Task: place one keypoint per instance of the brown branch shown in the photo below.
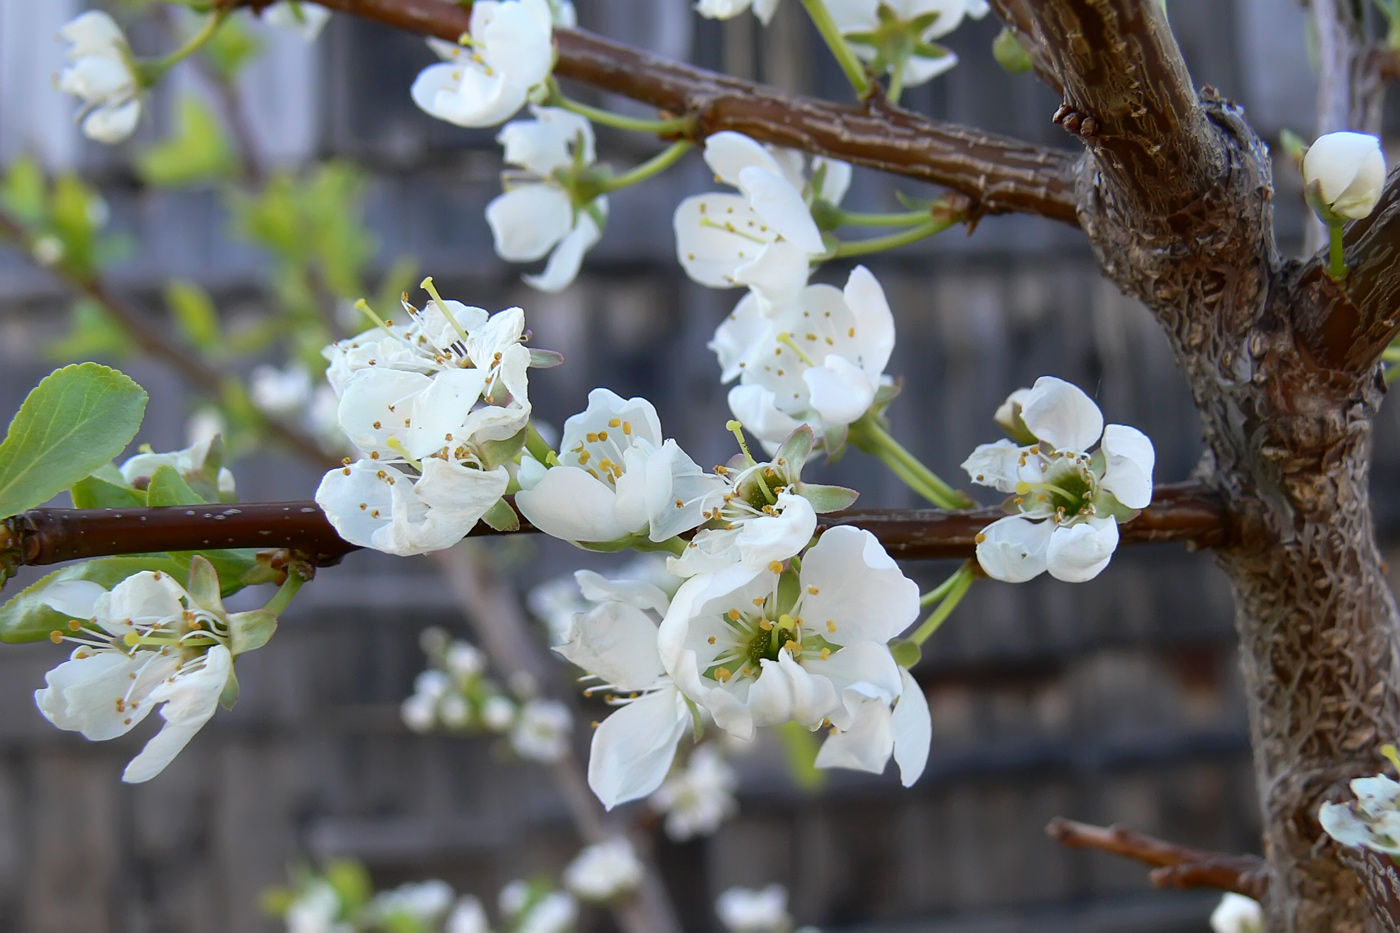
(1347, 325)
(1183, 512)
(1177, 866)
(1001, 174)
(1128, 96)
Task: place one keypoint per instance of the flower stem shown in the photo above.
(278, 603)
(941, 590)
(1336, 260)
(668, 127)
(890, 241)
(896, 219)
(870, 436)
(845, 56)
(653, 166)
(539, 447)
(896, 85)
(153, 71)
(961, 582)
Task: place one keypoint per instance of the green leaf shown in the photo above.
(198, 151)
(22, 191)
(351, 881)
(73, 422)
(194, 314)
(105, 489)
(25, 618)
(1010, 53)
(76, 213)
(92, 332)
(231, 47)
(168, 487)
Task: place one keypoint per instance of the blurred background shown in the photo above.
(1113, 701)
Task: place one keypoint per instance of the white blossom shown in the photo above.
(907, 30)
(316, 910)
(603, 871)
(725, 9)
(468, 916)
(616, 642)
(1372, 821)
(699, 797)
(1067, 501)
(304, 18)
(541, 731)
(426, 902)
(1344, 175)
(99, 73)
(545, 208)
(280, 392)
(436, 408)
(611, 458)
(759, 648)
(1237, 914)
(743, 910)
(508, 56)
(764, 237)
(556, 912)
(464, 660)
(143, 643)
(498, 713)
(816, 359)
(418, 712)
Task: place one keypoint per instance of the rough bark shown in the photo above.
(1288, 437)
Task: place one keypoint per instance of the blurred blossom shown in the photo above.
(743, 910)
(603, 871)
(697, 798)
(541, 731)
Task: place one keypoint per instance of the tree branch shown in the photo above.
(1347, 325)
(1129, 97)
(1182, 512)
(1001, 174)
(1177, 866)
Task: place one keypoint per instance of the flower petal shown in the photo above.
(617, 642)
(567, 258)
(865, 745)
(190, 700)
(709, 243)
(728, 153)
(913, 730)
(1078, 552)
(874, 320)
(1062, 415)
(781, 206)
(528, 220)
(1012, 549)
(840, 390)
(633, 748)
(1129, 459)
(859, 588)
(569, 504)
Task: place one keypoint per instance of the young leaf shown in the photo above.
(194, 314)
(105, 489)
(197, 152)
(73, 422)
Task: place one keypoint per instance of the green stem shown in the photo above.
(537, 446)
(653, 166)
(667, 127)
(896, 219)
(890, 241)
(870, 436)
(153, 71)
(896, 85)
(941, 590)
(278, 603)
(845, 56)
(962, 581)
(1336, 260)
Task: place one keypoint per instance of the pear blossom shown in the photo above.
(603, 871)
(898, 35)
(765, 512)
(817, 359)
(203, 424)
(1067, 502)
(878, 732)
(425, 903)
(551, 206)
(304, 18)
(1372, 821)
(144, 643)
(744, 910)
(506, 58)
(280, 392)
(765, 236)
(759, 648)
(698, 797)
(615, 641)
(531, 910)
(1237, 914)
(468, 916)
(1344, 175)
(612, 455)
(437, 408)
(100, 74)
(541, 731)
(726, 9)
(497, 713)
(316, 909)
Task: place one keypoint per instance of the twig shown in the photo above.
(1182, 512)
(1177, 866)
(1001, 174)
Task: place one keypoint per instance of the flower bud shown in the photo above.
(1344, 175)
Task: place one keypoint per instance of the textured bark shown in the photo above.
(1288, 437)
